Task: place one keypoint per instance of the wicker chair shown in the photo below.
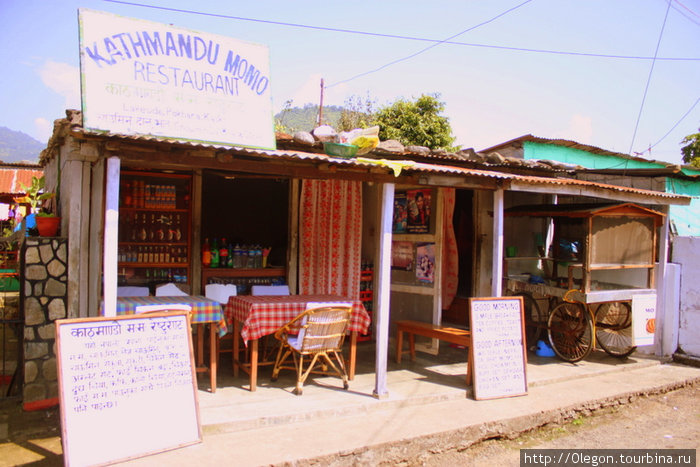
(315, 335)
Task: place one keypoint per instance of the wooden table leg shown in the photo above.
(200, 345)
(353, 355)
(212, 356)
(253, 364)
(399, 345)
(236, 346)
(412, 346)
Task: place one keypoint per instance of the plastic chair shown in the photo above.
(269, 290)
(320, 333)
(169, 290)
(132, 291)
(221, 293)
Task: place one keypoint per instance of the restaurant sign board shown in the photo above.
(144, 78)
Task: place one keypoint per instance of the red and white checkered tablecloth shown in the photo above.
(261, 315)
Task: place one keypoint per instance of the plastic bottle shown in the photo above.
(223, 254)
(206, 254)
(214, 254)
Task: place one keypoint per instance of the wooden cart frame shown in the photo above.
(590, 244)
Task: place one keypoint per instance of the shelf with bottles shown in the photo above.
(157, 191)
(152, 276)
(220, 254)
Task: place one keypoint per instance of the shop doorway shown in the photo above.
(463, 223)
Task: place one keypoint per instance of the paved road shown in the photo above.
(670, 420)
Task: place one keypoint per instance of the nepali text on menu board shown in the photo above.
(133, 377)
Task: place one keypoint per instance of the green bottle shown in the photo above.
(214, 253)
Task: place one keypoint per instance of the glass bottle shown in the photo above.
(223, 254)
(214, 254)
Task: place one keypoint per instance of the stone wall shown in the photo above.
(44, 290)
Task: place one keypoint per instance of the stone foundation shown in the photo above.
(44, 289)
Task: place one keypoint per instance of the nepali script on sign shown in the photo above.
(133, 377)
(145, 78)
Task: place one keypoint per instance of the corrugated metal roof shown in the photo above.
(369, 162)
(11, 177)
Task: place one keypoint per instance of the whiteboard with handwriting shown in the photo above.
(498, 347)
(127, 386)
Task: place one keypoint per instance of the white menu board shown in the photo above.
(498, 348)
(127, 386)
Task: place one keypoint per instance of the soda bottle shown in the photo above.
(214, 254)
(206, 254)
(223, 254)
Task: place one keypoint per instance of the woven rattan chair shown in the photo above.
(314, 337)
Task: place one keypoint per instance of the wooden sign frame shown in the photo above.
(127, 386)
(498, 350)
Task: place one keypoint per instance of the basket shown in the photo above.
(346, 151)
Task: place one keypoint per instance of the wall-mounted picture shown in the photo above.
(402, 256)
(425, 262)
(418, 205)
(400, 213)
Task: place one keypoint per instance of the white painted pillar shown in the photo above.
(111, 236)
(383, 270)
(669, 321)
(497, 267)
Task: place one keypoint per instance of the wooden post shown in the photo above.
(497, 268)
(111, 236)
(668, 318)
(383, 270)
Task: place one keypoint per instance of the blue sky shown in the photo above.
(492, 92)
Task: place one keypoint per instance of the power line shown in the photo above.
(673, 127)
(430, 46)
(403, 37)
(651, 70)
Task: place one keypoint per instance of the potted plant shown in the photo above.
(46, 222)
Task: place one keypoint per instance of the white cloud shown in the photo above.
(44, 129)
(580, 129)
(63, 79)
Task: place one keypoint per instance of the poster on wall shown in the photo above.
(400, 214)
(418, 205)
(402, 256)
(144, 78)
(643, 319)
(425, 262)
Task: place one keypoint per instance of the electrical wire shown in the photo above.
(394, 62)
(403, 37)
(672, 128)
(651, 70)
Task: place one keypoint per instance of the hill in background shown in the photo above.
(16, 146)
(304, 119)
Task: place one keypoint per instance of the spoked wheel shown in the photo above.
(613, 329)
(570, 331)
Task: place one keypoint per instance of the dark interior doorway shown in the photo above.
(463, 222)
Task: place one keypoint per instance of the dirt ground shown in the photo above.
(670, 420)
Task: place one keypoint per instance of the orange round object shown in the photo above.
(651, 325)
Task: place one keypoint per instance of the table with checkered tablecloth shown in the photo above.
(204, 311)
(255, 316)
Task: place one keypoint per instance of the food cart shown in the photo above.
(597, 258)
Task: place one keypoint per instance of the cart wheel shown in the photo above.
(613, 329)
(535, 320)
(570, 331)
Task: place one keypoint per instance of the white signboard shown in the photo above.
(144, 78)
(127, 386)
(498, 347)
(643, 319)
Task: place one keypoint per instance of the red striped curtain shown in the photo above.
(330, 237)
(450, 257)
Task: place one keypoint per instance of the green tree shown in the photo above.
(416, 122)
(691, 150)
(356, 113)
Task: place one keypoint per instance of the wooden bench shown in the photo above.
(452, 335)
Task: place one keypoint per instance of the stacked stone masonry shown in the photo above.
(44, 289)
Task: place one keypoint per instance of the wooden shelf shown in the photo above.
(243, 272)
